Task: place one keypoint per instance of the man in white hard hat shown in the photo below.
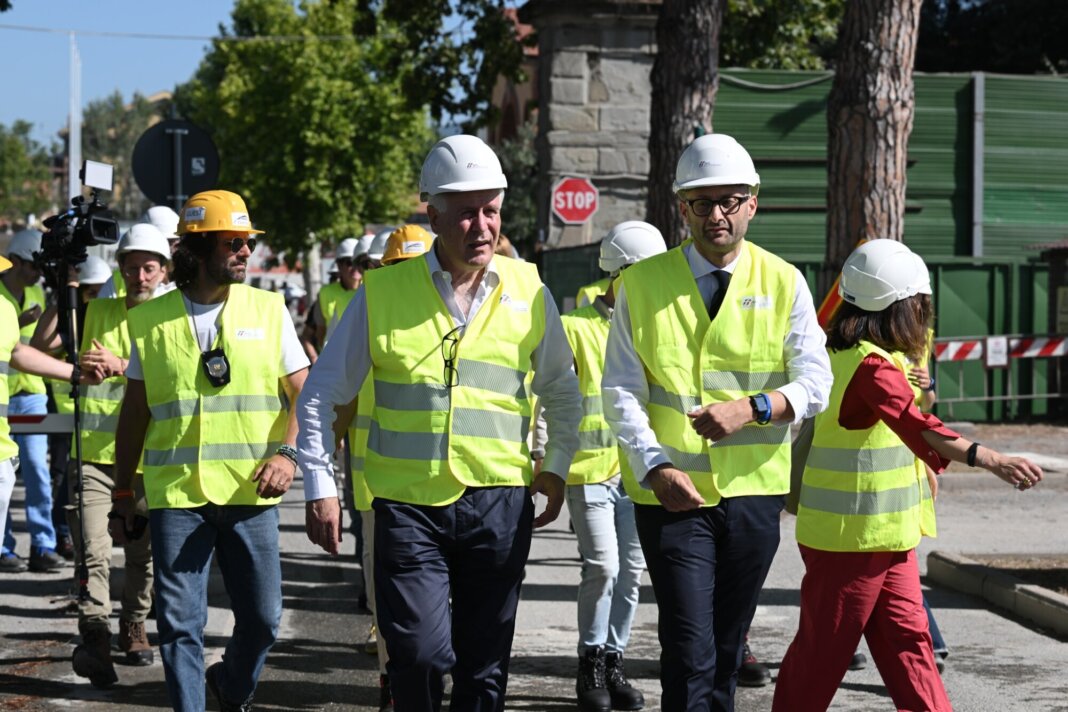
(20, 286)
(714, 350)
(450, 339)
(144, 257)
(165, 221)
(601, 512)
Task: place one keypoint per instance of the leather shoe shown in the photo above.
(752, 672)
(45, 561)
(859, 661)
(11, 564)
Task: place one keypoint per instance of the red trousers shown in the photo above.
(844, 596)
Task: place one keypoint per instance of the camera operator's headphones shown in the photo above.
(214, 211)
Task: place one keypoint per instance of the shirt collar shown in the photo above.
(701, 267)
(491, 278)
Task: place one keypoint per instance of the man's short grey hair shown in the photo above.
(438, 200)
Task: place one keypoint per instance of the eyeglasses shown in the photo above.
(703, 207)
(238, 242)
(150, 270)
(449, 346)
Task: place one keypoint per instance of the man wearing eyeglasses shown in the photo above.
(451, 339)
(208, 363)
(714, 350)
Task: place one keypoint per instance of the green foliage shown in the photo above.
(520, 165)
(24, 175)
(780, 34)
(110, 129)
(316, 135)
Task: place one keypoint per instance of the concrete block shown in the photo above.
(628, 80)
(567, 91)
(1047, 608)
(625, 118)
(573, 118)
(611, 161)
(956, 571)
(1000, 589)
(597, 139)
(569, 65)
(574, 160)
(637, 161)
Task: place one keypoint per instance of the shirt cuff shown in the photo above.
(318, 483)
(796, 395)
(649, 459)
(556, 463)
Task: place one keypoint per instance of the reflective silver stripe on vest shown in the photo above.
(658, 395)
(111, 390)
(210, 453)
(472, 422)
(4, 368)
(591, 405)
(596, 439)
(743, 381)
(100, 423)
(852, 460)
(357, 463)
(189, 407)
(24, 339)
(411, 396)
(687, 462)
(407, 446)
(363, 422)
(3, 410)
(491, 377)
(888, 501)
(757, 435)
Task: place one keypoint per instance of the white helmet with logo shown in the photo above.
(93, 271)
(881, 272)
(24, 243)
(346, 249)
(627, 243)
(144, 237)
(460, 164)
(165, 220)
(715, 159)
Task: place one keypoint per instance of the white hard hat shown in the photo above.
(460, 164)
(24, 243)
(363, 245)
(714, 159)
(144, 237)
(346, 250)
(93, 271)
(378, 244)
(333, 268)
(165, 220)
(881, 272)
(629, 242)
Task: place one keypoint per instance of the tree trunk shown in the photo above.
(869, 119)
(684, 82)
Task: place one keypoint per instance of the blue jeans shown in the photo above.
(33, 456)
(612, 564)
(245, 538)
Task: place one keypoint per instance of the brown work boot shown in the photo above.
(133, 640)
(92, 659)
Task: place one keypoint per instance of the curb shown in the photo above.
(1034, 603)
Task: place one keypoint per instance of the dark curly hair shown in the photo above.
(902, 326)
(191, 251)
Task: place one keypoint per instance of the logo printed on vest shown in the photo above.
(249, 334)
(758, 302)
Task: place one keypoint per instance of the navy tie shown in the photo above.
(723, 278)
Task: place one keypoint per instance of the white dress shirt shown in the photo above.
(345, 362)
(625, 390)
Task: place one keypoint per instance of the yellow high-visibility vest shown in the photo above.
(24, 382)
(427, 442)
(9, 330)
(587, 293)
(105, 321)
(204, 443)
(365, 404)
(692, 362)
(333, 298)
(862, 490)
(118, 282)
(597, 458)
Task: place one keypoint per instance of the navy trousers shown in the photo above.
(707, 567)
(475, 549)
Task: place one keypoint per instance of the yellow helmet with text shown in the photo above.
(213, 211)
(406, 242)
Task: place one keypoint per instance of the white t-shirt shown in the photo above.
(203, 322)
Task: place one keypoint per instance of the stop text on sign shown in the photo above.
(574, 200)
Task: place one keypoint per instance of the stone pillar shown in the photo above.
(594, 62)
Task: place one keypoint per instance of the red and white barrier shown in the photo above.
(38, 424)
(1019, 347)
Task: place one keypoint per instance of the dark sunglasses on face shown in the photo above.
(238, 242)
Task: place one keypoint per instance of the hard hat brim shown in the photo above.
(5, 264)
(750, 179)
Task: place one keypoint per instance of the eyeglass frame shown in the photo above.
(240, 242)
(453, 380)
(725, 212)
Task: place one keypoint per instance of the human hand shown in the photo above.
(920, 377)
(674, 489)
(30, 315)
(1019, 472)
(274, 476)
(123, 521)
(100, 356)
(552, 486)
(322, 523)
(717, 421)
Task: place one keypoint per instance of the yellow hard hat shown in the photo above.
(5, 264)
(215, 210)
(406, 242)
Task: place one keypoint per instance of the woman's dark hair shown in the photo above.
(902, 326)
(191, 251)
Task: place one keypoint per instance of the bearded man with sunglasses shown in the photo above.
(211, 365)
(455, 342)
(713, 351)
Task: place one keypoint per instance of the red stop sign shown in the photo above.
(574, 200)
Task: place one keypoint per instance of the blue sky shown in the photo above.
(35, 65)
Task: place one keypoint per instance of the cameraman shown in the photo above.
(19, 287)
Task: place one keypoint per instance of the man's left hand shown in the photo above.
(274, 477)
(552, 486)
(719, 420)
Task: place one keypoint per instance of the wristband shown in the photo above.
(75, 375)
(972, 452)
(761, 405)
(121, 494)
(288, 452)
(931, 386)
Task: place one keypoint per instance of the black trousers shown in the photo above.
(476, 549)
(707, 567)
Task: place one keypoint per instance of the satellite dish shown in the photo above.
(173, 160)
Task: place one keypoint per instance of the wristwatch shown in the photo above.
(761, 405)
